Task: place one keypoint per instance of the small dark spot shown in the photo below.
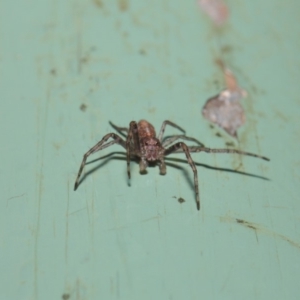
(65, 296)
(247, 224)
(218, 134)
(219, 62)
(254, 89)
(226, 49)
(53, 72)
(217, 84)
(229, 144)
(152, 110)
(123, 5)
(142, 52)
(84, 59)
(251, 226)
(181, 200)
(99, 3)
(83, 107)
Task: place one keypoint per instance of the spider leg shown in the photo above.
(132, 135)
(162, 167)
(97, 147)
(163, 127)
(119, 129)
(143, 165)
(185, 149)
(110, 143)
(172, 139)
(209, 150)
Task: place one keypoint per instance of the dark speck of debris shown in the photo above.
(227, 49)
(53, 72)
(142, 52)
(83, 107)
(99, 3)
(230, 144)
(181, 200)
(251, 226)
(123, 5)
(247, 224)
(65, 296)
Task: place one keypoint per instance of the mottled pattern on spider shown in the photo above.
(143, 143)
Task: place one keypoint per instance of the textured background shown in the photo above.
(132, 59)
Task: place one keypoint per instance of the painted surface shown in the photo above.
(67, 68)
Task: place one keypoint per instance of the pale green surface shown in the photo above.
(146, 59)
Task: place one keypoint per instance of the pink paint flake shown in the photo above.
(225, 109)
(215, 9)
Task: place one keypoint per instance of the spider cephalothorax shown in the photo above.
(151, 148)
(142, 142)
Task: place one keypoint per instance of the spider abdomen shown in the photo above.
(145, 129)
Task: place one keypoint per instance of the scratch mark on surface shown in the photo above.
(79, 40)
(42, 121)
(76, 211)
(256, 237)
(67, 224)
(260, 229)
(247, 224)
(158, 217)
(152, 218)
(88, 211)
(158, 224)
(37, 233)
(118, 285)
(77, 289)
(227, 278)
(18, 196)
(277, 207)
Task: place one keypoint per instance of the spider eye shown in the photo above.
(150, 142)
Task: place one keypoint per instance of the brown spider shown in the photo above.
(143, 143)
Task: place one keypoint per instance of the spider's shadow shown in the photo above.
(170, 161)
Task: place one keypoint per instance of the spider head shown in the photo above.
(151, 148)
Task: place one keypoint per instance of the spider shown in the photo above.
(143, 143)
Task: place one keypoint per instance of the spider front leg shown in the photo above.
(143, 165)
(162, 167)
(121, 130)
(185, 149)
(174, 138)
(99, 146)
(132, 135)
(163, 127)
(229, 151)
